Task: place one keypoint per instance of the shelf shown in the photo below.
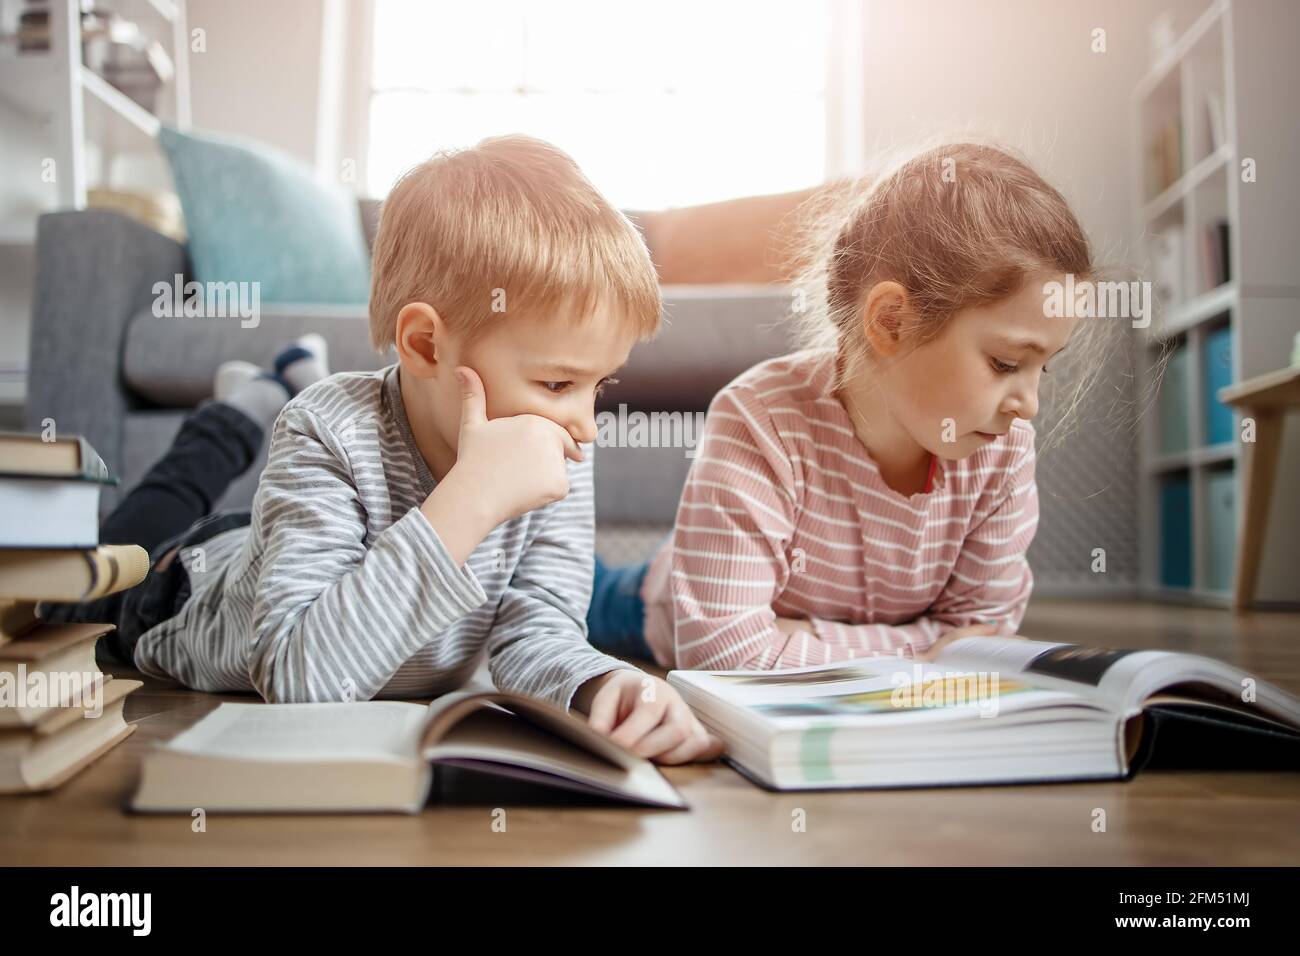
(165, 9)
(17, 232)
(29, 84)
(1193, 458)
(1186, 183)
(119, 102)
(1227, 340)
(1192, 313)
(1160, 71)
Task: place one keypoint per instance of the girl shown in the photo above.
(875, 493)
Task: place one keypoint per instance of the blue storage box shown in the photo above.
(1173, 404)
(1221, 516)
(1176, 531)
(1216, 374)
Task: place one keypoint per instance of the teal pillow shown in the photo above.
(256, 215)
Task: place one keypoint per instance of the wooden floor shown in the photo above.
(1159, 818)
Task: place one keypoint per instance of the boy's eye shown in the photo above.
(557, 388)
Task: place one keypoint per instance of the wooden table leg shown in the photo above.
(1259, 465)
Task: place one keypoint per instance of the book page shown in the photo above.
(1107, 675)
(887, 690)
(366, 730)
(495, 734)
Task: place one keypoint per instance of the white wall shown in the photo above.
(260, 76)
(1024, 72)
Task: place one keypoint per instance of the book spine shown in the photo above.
(101, 571)
(115, 567)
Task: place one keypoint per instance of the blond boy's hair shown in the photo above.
(508, 228)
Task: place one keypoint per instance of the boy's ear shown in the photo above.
(421, 339)
(887, 319)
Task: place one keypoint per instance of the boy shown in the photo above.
(411, 518)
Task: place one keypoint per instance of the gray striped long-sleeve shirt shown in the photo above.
(341, 589)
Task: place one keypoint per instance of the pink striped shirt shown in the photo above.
(785, 514)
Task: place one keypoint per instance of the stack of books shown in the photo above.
(58, 710)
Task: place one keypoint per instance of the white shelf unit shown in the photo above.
(1235, 52)
(53, 107)
(76, 106)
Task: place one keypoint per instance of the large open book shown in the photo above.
(988, 710)
(379, 755)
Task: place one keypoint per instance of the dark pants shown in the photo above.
(170, 508)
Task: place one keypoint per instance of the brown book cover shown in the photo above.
(70, 574)
(65, 650)
(64, 743)
(30, 456)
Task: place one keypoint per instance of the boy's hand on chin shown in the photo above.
(516, 462)
(645, 715)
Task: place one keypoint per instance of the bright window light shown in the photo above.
(662, 104)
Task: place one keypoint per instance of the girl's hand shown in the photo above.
(793, 625)
(974, 630)
(645, 715)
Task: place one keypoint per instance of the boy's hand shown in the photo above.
(504, 468)
(516, 463)
(645, 715)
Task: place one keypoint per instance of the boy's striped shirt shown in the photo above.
(341, 589)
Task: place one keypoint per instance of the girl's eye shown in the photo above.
(556, 387)
(1002, 368)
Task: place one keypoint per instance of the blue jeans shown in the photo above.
(171, 508)
(616, 618)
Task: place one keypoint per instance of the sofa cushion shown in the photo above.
(709, 336)
(171, 361)
(256, 215)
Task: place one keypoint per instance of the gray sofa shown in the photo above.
(104, 366)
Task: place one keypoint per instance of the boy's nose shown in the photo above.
(583, 429)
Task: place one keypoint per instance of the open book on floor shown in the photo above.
(380, 756)
(993, 710)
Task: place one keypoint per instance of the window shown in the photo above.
(664, 103)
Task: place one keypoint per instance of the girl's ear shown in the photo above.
(887, 318)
